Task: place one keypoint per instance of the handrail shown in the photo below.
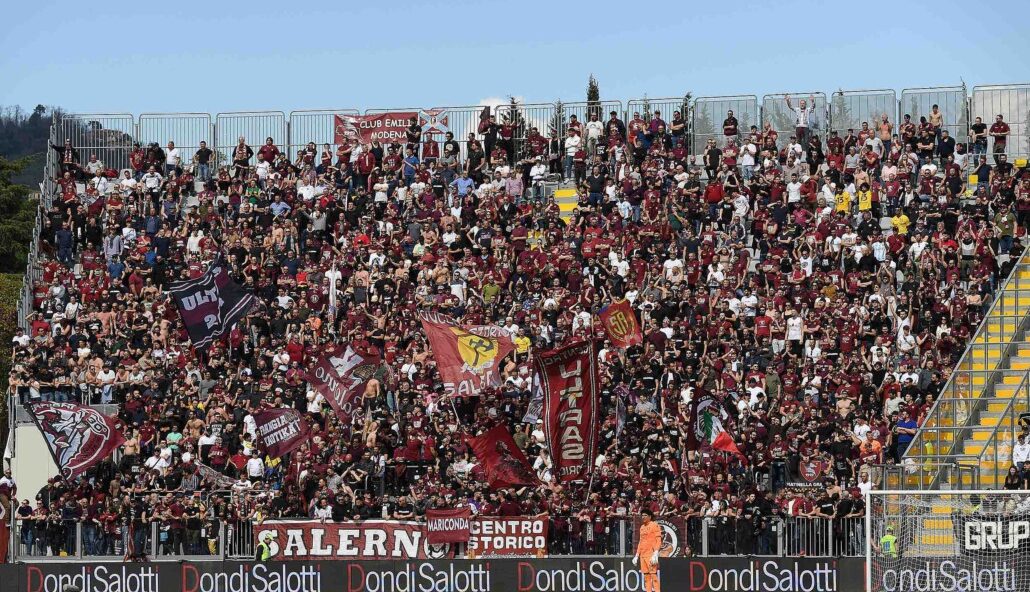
(998, 296)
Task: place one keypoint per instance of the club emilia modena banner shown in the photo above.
(566, 574)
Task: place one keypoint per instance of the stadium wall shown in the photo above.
(585, 574)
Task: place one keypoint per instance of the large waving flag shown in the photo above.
(78, 437)
(211, 304)
(467, 358)
(341, 375)
(568, 379)
(503, 461)
(707, 419)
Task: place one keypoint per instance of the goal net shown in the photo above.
(968, 541)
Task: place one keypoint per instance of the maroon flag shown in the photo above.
(78, 437)
(211, 304)
(568, 379)
(467, 358)
(620, 323)
(503, 461)
(484, 120)
(448, 526)
(280, 430)
(341, 377)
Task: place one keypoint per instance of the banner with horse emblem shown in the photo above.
(620, 323)
(467, 358)
(78, 437)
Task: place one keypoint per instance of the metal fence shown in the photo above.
(951, 102)
(709, 113)
(318, 126)
(108, 136)
(253, 127)
(60, 540)
(850, 108)
(666, 109)
(776, 113)
(583, 112)
(186, 130)
(1012, 102)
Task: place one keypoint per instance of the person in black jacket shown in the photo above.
(69, 157)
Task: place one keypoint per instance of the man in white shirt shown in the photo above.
(152, 180)
(794, 190)
(127, 184)
(572, 144)
(747, 158)
(1020, 452)
(255, 467)
(538, 174)
(802, 116)
(594, 130)
(172, 158)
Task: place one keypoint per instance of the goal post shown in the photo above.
(960, 541)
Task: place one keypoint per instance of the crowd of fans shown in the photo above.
(821, 287)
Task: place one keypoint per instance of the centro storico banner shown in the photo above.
(571, 574)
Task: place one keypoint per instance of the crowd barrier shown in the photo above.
(586, 574)
(235, 539)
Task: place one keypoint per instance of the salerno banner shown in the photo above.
(489, 536)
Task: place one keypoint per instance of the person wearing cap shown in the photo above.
(889, 543)
(263, 553)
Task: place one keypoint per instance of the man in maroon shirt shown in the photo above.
(269, 152)
(1000, 132)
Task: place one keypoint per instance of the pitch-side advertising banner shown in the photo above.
(568, 574)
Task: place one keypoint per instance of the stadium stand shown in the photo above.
(820, 282)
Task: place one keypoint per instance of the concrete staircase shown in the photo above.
(976, 418)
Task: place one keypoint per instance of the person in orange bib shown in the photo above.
(648, 544)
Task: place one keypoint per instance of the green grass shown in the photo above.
(10, 292)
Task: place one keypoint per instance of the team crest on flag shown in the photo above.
(477, 352)
(620, 323)
(78, 437)
(467, 358)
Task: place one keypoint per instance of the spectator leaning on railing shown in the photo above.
(820, 288)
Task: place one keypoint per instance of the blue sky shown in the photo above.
(220, 56)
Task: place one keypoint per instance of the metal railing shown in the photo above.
(926, 475)
(59, 540)
(978, 409)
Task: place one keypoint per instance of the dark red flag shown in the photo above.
(448, 526)
(280, 430)
(503, 461)
(467, 358)
(620, 323)
(568, 378)
(341, 377)
(78, 437)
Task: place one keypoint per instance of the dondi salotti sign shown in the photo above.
(568, 574)
(763, 574)
(92, 577)
(938, 574)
